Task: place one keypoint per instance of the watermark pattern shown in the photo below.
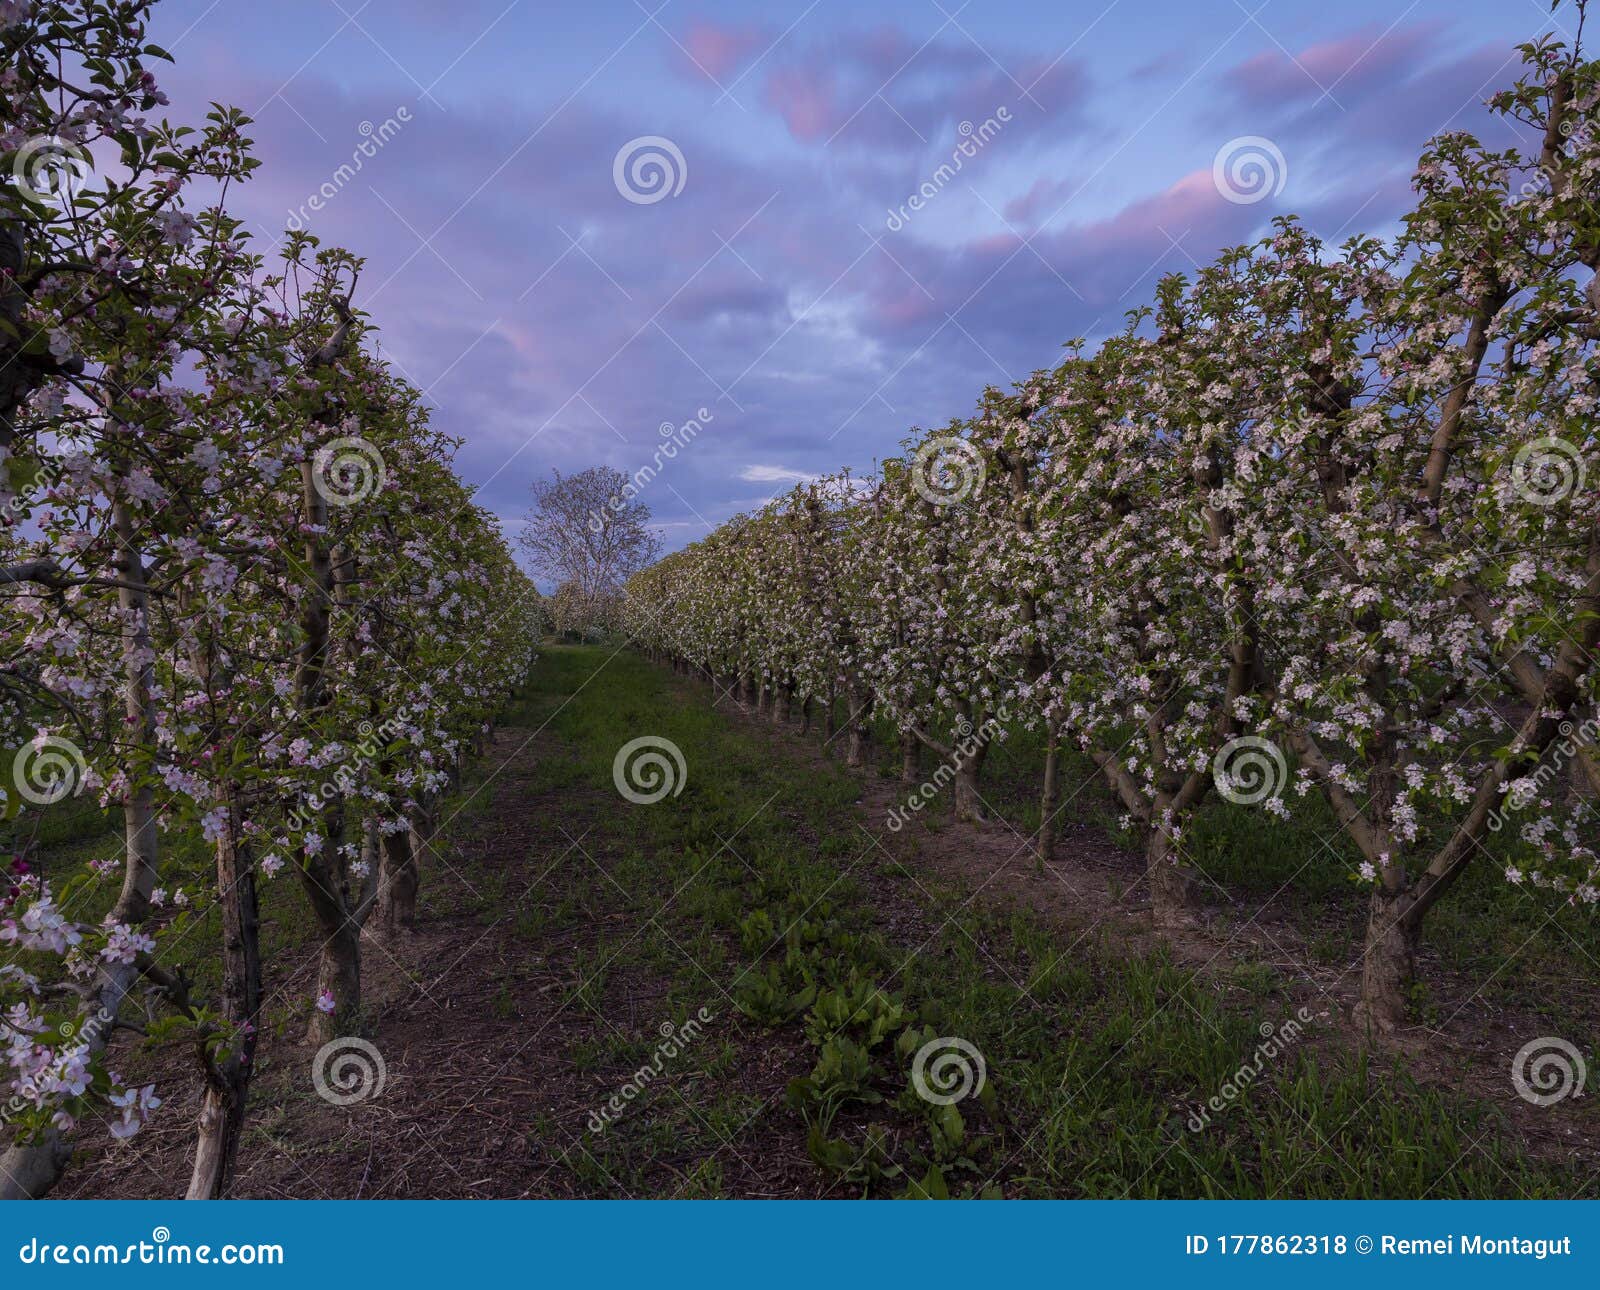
(1578, 136)
(1547, 471)
(1249, 169)
(51, 170)
(1548, 1070)
(968, 743)
(48, 769)
(973, 140)
(85, 1034)
(649, 768)
(649, 169)
(674, 438)
(1275, 1040)
(160, 1250)
(1249, 770)
(343, 779)
(674, 1040)
(1527, 789)
(373, 139)
(15, 506)
(947, 1070)
(348, 1070)
(347, 470)
(947, 470)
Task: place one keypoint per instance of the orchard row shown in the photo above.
(1319, 520)
(246, 606)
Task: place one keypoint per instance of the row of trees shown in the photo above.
(244, 599)
(1320, 519)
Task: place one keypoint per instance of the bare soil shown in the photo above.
(488, 1031)
(1093, 888)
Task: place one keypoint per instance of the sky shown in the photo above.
(586, 224)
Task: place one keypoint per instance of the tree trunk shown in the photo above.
(857, 719)
(322, 876)
(338, 972)
(1049, 798)
(398, 880)
(138, 679)
(910, 757)
(805, 715)
(339, 961)
(969, 766)
(31, 1170)
(968, 802)
(422, 826)
(830, 724)
(1389, 960)
(222, 1103)
(17, 377)
(1172, 888)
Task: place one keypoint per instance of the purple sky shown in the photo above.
(555, 323)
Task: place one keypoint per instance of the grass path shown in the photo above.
(724, 993)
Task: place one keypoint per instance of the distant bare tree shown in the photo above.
(588, 533)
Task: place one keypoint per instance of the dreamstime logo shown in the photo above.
(79, 1035)
(674, 438)
(348, 1070)
(51, 170)
(1275, 1040)
(1579, 138)
(15, 506)
(1249, 169)
(948, 1069)
(947, 470)
(160, 1250)
(1524, 792)
(648, 169)
(967, 746)
(87, 1031)
(973, 139)
(48, 769)
(373, 139)
(346, 776)
(1249, 770)
(346, 471)
(1547, 471)
(674, 1040)
(648, 768)
(1548, 1070)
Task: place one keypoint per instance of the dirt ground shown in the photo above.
(481, 1021)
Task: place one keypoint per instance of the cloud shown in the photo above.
(1359, 109)
(775, 475)
(1365, 59)
(884, 89)
(555, 324)
(717, 51)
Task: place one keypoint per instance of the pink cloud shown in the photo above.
(1333, 65)
(881, 88)
(1043, 195)
(720, 51)
(804, 98)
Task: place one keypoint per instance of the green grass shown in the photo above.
(1518, 945)
(756, 889)
(756, 893)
